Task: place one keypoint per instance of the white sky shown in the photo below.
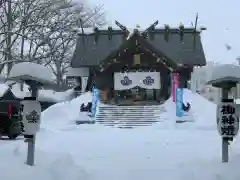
(221, 18)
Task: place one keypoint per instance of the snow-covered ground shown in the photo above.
(166, 151)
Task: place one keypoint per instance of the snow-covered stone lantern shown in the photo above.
(226, 77)
(34, 75)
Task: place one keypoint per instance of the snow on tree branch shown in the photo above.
(43, 31)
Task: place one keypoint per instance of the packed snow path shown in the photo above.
(165, 150)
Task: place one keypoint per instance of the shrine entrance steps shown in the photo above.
(129, 116)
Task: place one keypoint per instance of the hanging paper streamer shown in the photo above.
(175, 85)
(95, 100)
(179, 102)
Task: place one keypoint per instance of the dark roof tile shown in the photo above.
(181, 52)
(89, 53)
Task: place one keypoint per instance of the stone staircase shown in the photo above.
(129, 116)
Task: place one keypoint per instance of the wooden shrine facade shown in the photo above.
(136, 68)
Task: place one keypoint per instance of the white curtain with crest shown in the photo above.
(129, 80)
(124, 81)
(149, 80)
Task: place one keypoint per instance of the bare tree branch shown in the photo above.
(43, 31)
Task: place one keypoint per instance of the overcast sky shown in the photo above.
(220, 17)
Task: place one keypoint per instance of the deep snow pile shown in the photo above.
(199, 105)
(52, 96)
(149, 152)
(48, 166)
(91, 152)
(65, 113)
(202, 110)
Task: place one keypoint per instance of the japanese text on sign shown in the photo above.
(228, 122)
(21, 118)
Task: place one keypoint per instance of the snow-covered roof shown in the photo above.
(3, 89)
(78, 72)
(175, 50)
(44, 95)
(10, 82)
(31, 71)
(18, 93)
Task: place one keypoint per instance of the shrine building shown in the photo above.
(136, 67)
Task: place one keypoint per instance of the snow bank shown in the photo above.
(203, 110)
(167, 153)
(48, 166)
(44, 95)
(15, 90)
(18, 93)
(66, 113)
(150, 153)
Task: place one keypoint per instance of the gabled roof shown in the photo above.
(189, 52)
(143, 44)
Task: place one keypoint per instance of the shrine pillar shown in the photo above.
(175, 84)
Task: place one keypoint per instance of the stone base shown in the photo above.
(85, 122)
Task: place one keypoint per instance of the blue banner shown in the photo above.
(179, 102)
(95, 100)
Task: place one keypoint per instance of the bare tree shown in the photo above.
(19, 19)
(76, 17)
(43, 31)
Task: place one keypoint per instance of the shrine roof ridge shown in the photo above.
(117, 30)
(93, 49)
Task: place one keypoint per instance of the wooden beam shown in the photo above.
(161, 59)
(136, 59)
